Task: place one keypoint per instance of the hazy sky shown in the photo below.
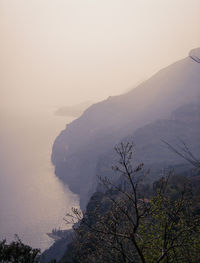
(62, 52)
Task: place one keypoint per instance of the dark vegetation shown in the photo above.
(133, 222)
(17, 252)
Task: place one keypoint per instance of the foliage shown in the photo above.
(126, 224)
(17, 252)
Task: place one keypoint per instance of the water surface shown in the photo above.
(32, 199)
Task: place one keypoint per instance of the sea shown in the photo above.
(33, 201)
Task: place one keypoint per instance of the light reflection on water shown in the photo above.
(32, 199)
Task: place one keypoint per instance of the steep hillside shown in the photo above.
(183, 127)
(77, 149)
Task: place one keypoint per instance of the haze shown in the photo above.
(62, 52)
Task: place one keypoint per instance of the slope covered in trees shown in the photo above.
(129, 222)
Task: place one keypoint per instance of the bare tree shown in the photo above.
(124, 225)
(184, 151)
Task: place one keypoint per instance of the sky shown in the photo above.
(63, 52)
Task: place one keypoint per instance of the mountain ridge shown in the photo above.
(77, 149)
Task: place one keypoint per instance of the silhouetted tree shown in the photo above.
(123, 224)
(17, 252)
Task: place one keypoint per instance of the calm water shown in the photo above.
(32, 200)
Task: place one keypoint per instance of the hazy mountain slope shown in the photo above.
(150, 148)
(77, 149)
